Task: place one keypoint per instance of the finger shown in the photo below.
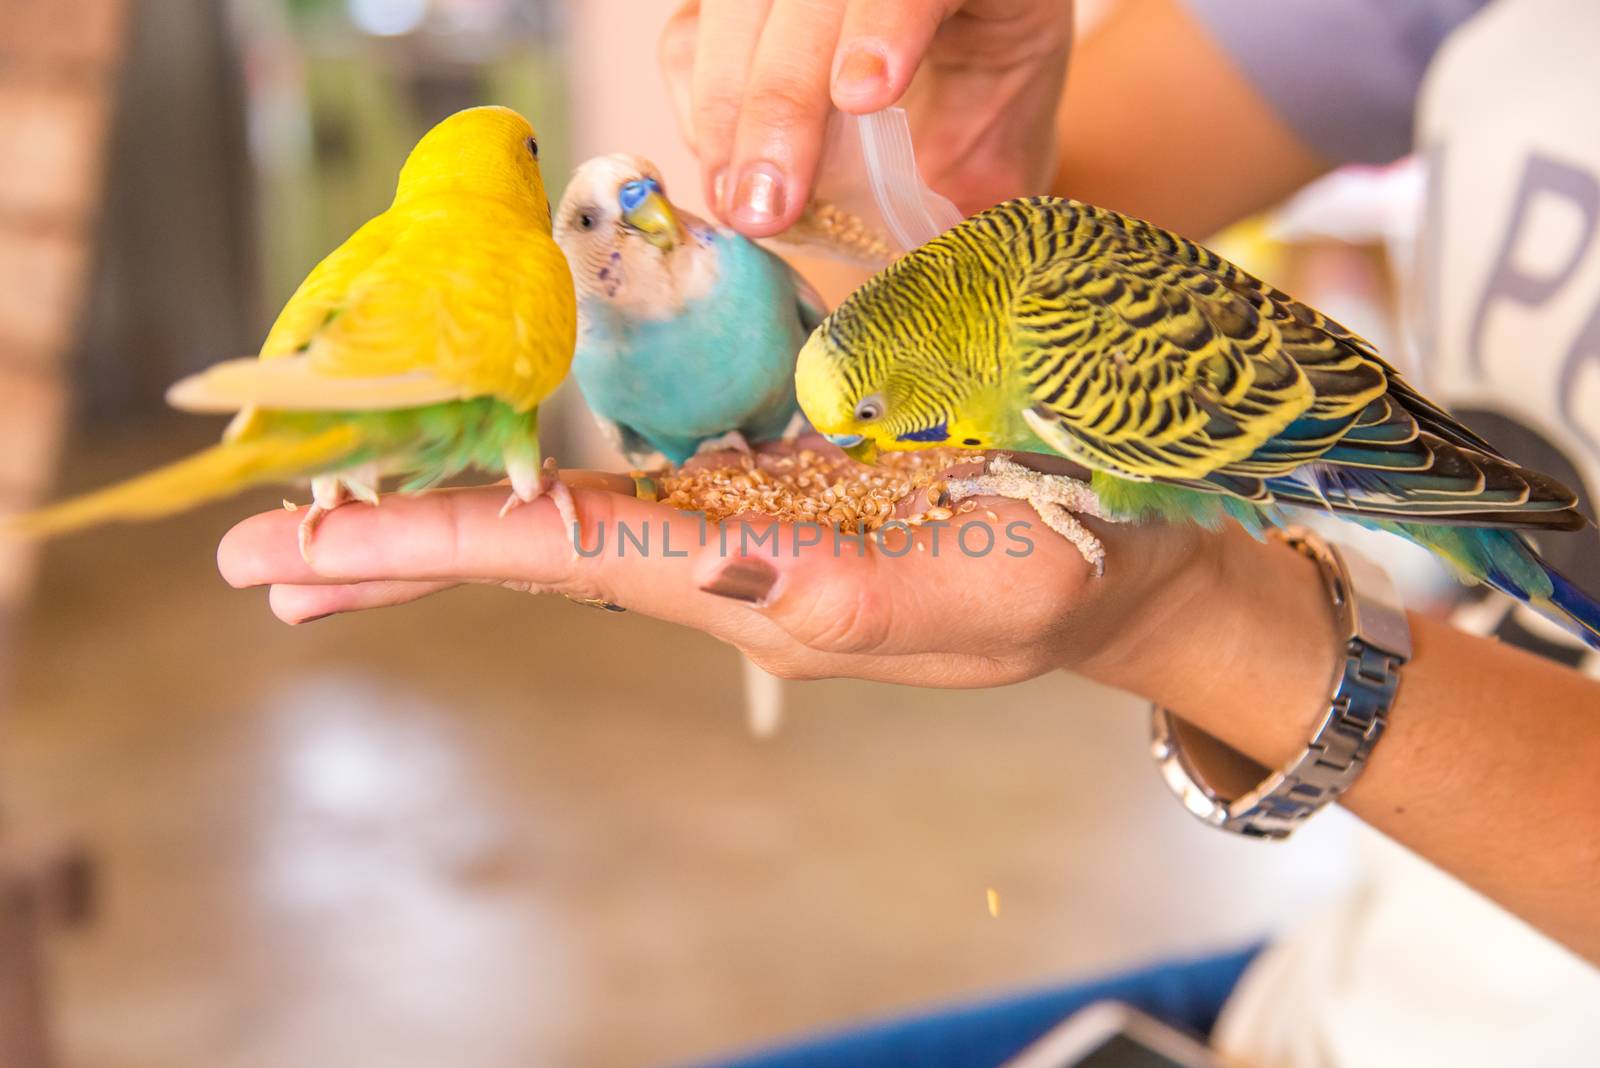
(784, 116)
(644, 556)
(439, 536)
(770, 646)
(257, 552)
(305, 604)
(676, 52)
(881, 45)
(729, 30)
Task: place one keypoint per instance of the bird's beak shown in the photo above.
(653, 217)
(864, 453)
(860, 449)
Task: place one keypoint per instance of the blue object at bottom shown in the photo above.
(1185, 994)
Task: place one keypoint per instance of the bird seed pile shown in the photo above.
(813, 486)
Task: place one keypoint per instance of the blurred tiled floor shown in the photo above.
(493, 830)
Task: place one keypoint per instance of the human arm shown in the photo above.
(754, 87)
(1195, 113)
(1166, 115)
(1159, 122)
(1111, 138)
(1487, 768)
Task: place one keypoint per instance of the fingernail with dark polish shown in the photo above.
(758, 198)
(748, 580)
(863, 71)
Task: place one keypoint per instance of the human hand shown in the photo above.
(969, 608)
(755, 83)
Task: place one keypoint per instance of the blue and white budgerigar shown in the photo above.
(687, 332)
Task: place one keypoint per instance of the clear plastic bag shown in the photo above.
(869, 205)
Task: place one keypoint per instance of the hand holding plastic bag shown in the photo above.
(756, 85)
(870, 205)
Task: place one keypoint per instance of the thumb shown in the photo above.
(892, 592)
(834, 605)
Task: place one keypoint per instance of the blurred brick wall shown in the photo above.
(172, 288)
(58, 61)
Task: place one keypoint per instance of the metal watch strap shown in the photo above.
(1377, 642)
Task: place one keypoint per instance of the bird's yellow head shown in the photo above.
(487, 151)
(909, 361)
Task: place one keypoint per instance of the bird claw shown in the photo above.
(327, 493)
(361, 483)
(529, 484)
(798, 425)
(733, 440)
(308, 528)
(1057, 499)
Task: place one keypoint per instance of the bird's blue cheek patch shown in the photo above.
(938, 432)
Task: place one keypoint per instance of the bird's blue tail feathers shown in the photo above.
(1576, 607)
(1505, 560)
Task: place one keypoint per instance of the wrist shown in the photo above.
(1140, 609)
(1241, 643)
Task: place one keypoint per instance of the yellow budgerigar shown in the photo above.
(421, 346)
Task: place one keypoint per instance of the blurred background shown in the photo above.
(484, 829)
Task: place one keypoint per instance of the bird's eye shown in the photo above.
(869, 409)
(586, 221)
(533, 147)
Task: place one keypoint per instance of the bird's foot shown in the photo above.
(529, 483)
(733, 440)
(361, 483)
(1057, 499)
(798, 425)
(327, 493)
(333, 491)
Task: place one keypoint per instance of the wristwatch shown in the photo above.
(1377, 643)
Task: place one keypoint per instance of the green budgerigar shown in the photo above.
(1191, 390)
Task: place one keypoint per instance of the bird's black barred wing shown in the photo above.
(1151, 357)
(1146, 355)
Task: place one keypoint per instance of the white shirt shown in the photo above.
(1414, 969)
